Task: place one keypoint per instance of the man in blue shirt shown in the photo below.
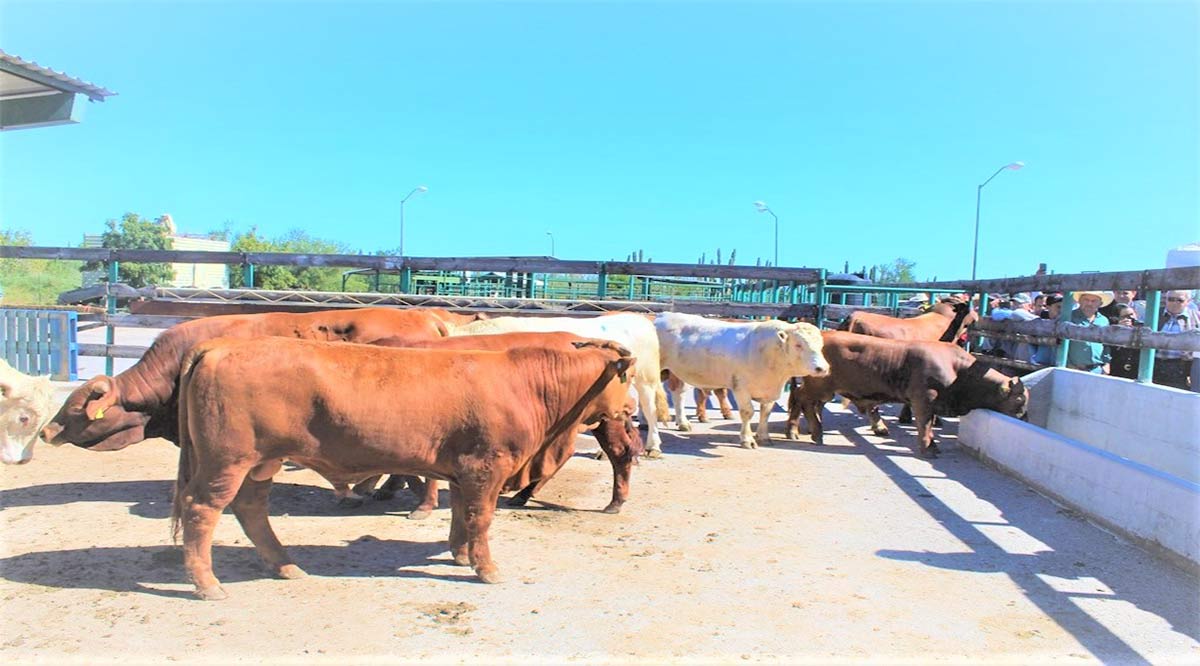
(1089, 356)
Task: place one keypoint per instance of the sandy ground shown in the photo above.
(851, 552)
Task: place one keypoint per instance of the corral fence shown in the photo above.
(533, 285)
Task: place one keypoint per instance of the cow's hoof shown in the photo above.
(419, 514)
(613, 507)
(214, 593)
(727, 415)
(490, 575)
(654, 454)
(383, 495)
(462, 559)
(350, 502)
(819, 441)
(684, 426)
(517, 501)
(291, 572)
(904, 418)
(749, 444)
(701, 419)
(881, 432)
(599, 455)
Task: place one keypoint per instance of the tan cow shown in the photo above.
(350, 411)
(25, 404)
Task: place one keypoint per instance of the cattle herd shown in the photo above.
(491, 405)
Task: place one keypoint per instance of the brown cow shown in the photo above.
(932, 377)
(110, 413)
(349, 411)
(945, 322)
(539, 471)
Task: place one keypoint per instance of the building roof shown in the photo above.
(24, 78)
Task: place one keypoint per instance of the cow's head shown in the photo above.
(93, 418)
(25, 404)
(802, 347)
(1014, 398)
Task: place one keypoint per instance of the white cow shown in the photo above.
(25, 406)
(754, 359)
(632, 331)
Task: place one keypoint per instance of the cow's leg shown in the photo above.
(522, 497)
(203, 500)
(723, 402)
(701, 396)
(676, 386)
(364, 488)
(765, 407)
(346, 497)
(923, 416)
(795, 408)
(906, 415)
(746, 411)
(646, 402)
(876, 419)
(251, 508)
(429, 500)
(812, 414)
(611, 439)
(458, 530)
(390, 487)
(478, 504)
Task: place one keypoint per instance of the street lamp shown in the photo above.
(551, 235)
(418, 188)
(764, 208)
(978, 193)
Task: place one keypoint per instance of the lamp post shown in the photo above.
(551, 235)
(764, 208)
(978, 194)
(415, 190)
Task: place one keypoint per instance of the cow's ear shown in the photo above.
(5, 389)
(102, 398)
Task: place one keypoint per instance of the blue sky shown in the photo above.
(624, 126)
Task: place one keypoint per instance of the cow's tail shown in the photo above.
(660, 403)
(186, 451)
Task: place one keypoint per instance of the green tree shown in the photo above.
(137, 233)
(34, 281)
(301, 278)
(899, 271)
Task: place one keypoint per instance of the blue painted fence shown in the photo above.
(40, 342)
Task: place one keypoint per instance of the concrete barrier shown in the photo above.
(1125, 454)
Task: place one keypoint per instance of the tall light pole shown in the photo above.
(764, 208)
(551, 235)
(978, 194)
(418, 188)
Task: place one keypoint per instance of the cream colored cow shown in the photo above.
(25, 406)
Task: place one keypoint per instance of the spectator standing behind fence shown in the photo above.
(1044, 354)
(1173, 368)
(1125, 360)
(1018, 307)
(1124, 297)
(1089, 356)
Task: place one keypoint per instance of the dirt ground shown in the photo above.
(851, 552)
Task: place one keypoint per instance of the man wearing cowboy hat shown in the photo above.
(1089, 356)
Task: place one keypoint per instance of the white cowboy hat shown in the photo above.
(1105, 297)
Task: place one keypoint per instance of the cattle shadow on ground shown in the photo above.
(1029, 571)
(143, 568)
(152, 499)
(688, 444)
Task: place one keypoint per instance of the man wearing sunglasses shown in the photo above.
(1174, 368)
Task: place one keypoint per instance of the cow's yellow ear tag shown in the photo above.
(99, 415)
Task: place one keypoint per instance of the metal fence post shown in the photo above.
(248, 275)
(602, 282)
(1064, 316)
(819, 298)
(111, 301)
(1146, 355)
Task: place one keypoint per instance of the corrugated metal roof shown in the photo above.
(50, 77)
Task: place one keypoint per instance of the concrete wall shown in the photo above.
(1123, 453)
